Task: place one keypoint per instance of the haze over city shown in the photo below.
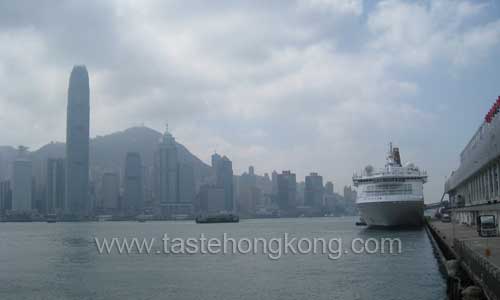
(307, 86)
(300, 149)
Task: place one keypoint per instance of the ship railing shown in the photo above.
(392, 173)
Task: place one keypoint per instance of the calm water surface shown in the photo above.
(61, 261)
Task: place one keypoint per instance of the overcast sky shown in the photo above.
(319, 85)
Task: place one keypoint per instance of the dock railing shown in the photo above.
(482, 271)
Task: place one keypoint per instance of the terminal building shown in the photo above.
(474, 187)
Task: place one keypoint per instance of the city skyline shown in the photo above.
(285, 149)
(311, 85)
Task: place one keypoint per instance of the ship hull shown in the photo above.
(392, 213)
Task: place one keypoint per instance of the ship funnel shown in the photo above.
(396, 156)
(369, 170)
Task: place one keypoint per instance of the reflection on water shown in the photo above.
(60, 261)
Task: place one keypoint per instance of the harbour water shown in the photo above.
(61, 261)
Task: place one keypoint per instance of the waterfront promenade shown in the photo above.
(478, 256)
(469, 236)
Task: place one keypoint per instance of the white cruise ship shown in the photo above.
(393, 196)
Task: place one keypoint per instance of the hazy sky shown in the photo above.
(319, 85)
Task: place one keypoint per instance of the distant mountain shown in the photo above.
(109, 151)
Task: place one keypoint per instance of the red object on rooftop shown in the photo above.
(495, 108)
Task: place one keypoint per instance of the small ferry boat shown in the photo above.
(51, 218)
(217, 218)
(143, 218)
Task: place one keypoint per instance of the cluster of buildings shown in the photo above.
(281, 194)
(168, 189)
(65, 188)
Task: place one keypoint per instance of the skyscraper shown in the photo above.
(110, 192)
(211, 199)
(350, 194)
(186, 183)
(77, 143)
(224, 179)
(5, 197)
(329, 188)
(314, 191)
(133, 197)
(22, 182)
(248, 192)
(56, 176)
(287, 191)
(274, 183)
(3, 168)
(166, 163)
(215, 160)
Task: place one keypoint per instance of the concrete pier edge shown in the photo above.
(446, 254)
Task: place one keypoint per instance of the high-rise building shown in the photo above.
(350, 194)
(93, 198)
(77, 143)
(314, 191)
(5, 197)
(3, 168)
(264, 184)
(349, 200)
(166, 164)
(22, 183)
(215, 160)
(110, 192)
(287, 191)
(329, 188)
(274, 183)
(211, 199)
(55, 185)
(186, 184)
(149, 184)
(133, 197)
(248, 192)
(224, 179)
(301, 188)
(39, 185)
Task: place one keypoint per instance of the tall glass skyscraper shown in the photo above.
(77, 143)
(224, 179)
(56, 177)
(166, 164)
(133, 194)
(22, 182)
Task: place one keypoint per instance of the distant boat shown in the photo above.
(264, 214)
(361, 222)
(18, 217)
(104, 218)
(51, 218)
(180, 217)
(217, 218)
(143, 218)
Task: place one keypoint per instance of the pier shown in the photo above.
(471, 262)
